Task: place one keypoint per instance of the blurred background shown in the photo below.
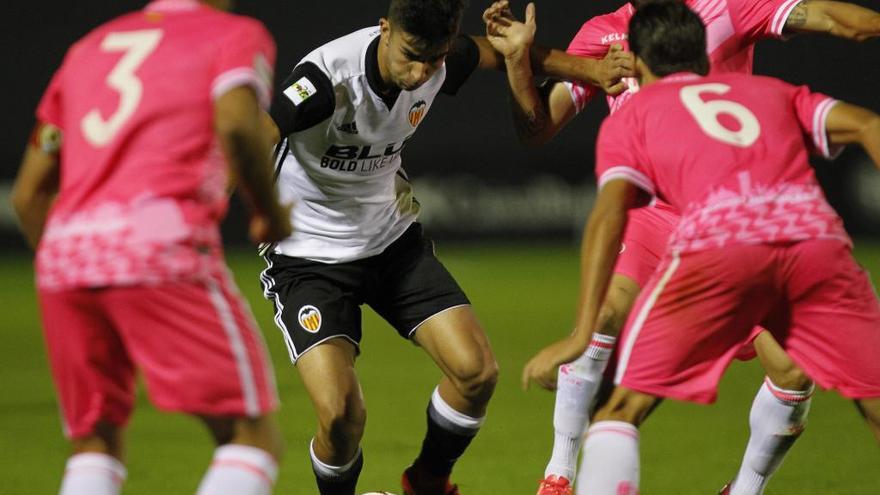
(475, 181)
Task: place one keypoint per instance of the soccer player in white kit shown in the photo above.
(345, 114)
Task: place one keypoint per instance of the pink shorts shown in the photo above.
(699, 309)
(644, 242)
(196, 344)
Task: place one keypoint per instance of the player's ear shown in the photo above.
(643, 72)
(385, 29)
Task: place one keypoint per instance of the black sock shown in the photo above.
(341, 485)
(444, 443)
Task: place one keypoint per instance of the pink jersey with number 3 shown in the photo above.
(730, 152)
(143, 180)
(732, 28)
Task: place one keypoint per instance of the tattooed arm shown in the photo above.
(845, 20)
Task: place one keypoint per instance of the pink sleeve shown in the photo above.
(619, 154)
(812, 111)
(582, 93)
(759, 19)
(246, 58)
(49, 108)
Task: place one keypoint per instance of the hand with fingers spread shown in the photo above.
(510, 37)
(542, 368)
(617, 65)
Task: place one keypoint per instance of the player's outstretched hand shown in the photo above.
(543, 367)
(510, 37)
(616, 65)
(268, 228)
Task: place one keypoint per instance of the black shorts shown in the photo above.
(405, 284)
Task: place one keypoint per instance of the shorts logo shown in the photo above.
(300, 91)
(622, 248)
(309, 318)
(416, 112)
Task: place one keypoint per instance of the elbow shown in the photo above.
(861, 33)
(869, 132)
(21, 202)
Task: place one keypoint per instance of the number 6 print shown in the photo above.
(706, 113)
(137, 45)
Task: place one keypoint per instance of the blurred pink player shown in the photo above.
(730, 152)
(120, 192)
(732, 29)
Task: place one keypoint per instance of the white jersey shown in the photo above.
(343, 175)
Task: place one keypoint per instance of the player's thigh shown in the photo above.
(314, 302)
(198, 347)
(834, 333)
(90, 364)
(691, 320)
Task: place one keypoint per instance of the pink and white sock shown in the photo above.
(577, 384)
(240, 470)
(777, 418)
(610, 464)
(92, 474)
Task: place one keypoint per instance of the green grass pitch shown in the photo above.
(524, 297)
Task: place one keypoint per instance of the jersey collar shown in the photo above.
(172, 5)
(374, 76)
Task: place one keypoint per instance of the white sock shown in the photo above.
(610, 465)
(240, 470)
(328, 472)
(777, 418)
(577, 384)
(92, 474)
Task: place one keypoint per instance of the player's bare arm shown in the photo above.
(513, 40)
(37, 182)
(241, 129)
(848, 123)
(599, 250)
(840, 19)
(540, 113)
(604, 73)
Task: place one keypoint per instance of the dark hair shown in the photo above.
(669, 37)
(431, 22)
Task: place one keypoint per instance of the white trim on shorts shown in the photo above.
(639, 322)
(268, 283)
(239, 351)
(411, 332)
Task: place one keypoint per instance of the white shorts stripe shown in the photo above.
(639, 322)
(268, 293)
(239, 350)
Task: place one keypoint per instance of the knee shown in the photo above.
(341, 420)
(627, 406)
(790, 377)
(476, 380)
(611, 318)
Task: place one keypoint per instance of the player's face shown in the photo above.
(407, 66)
